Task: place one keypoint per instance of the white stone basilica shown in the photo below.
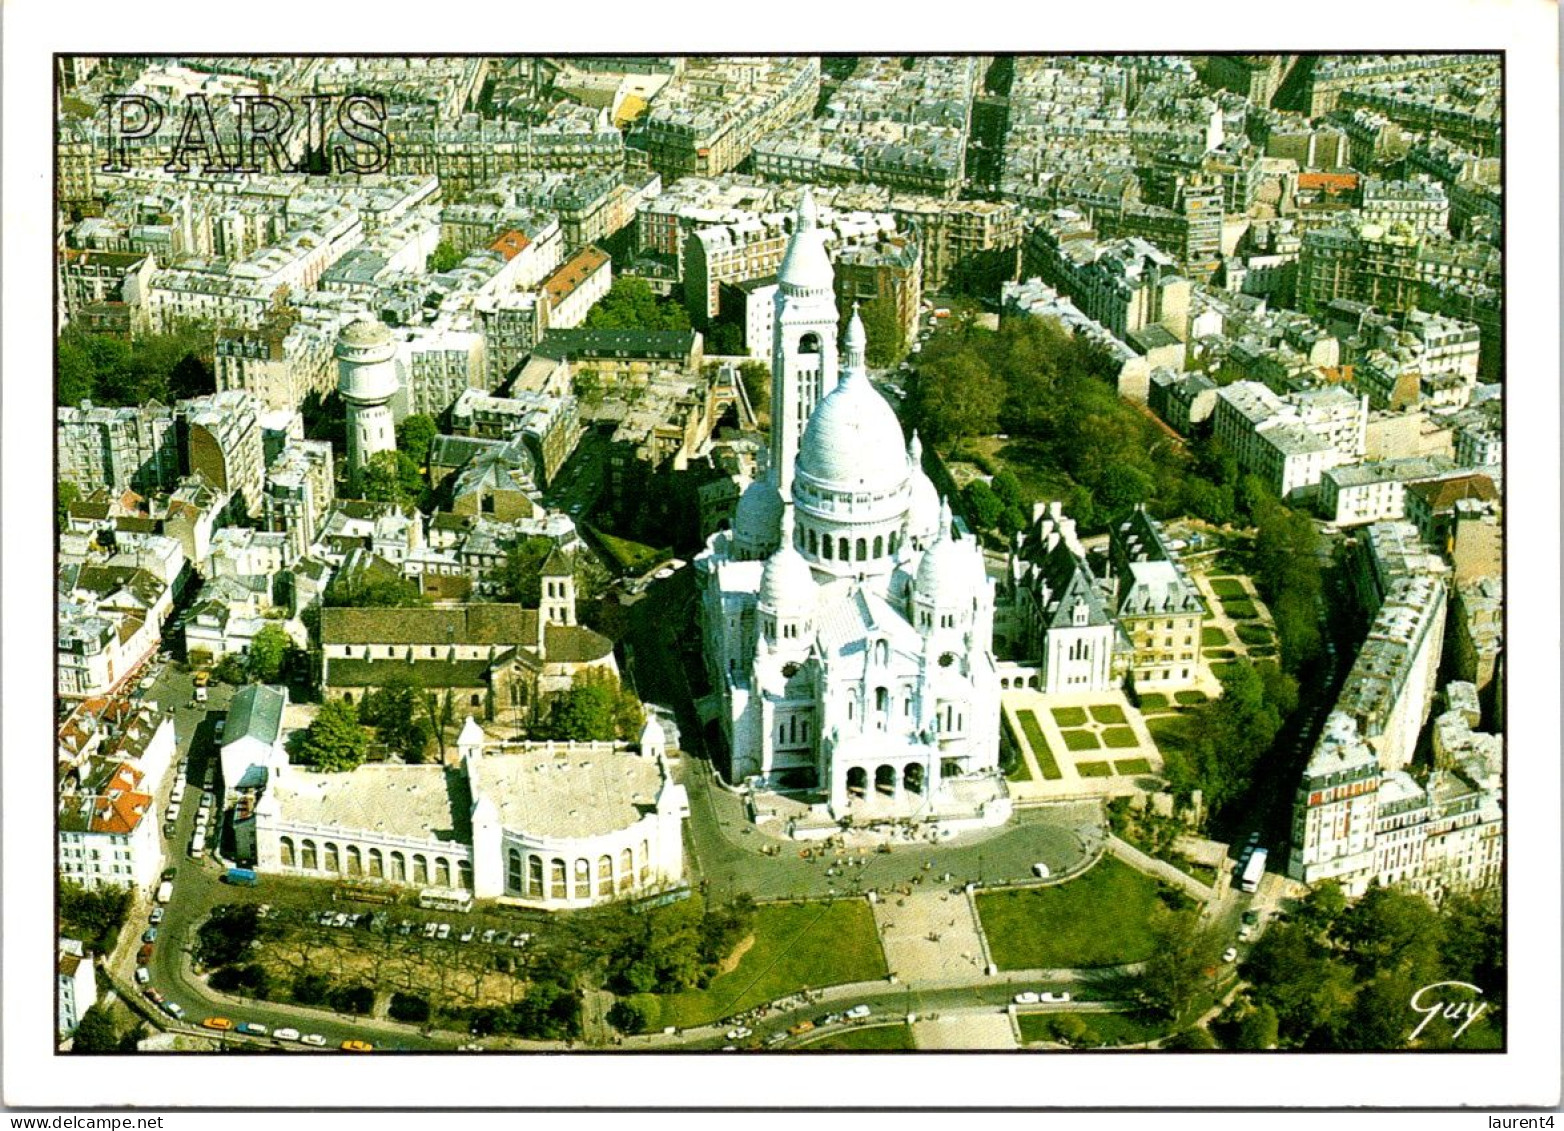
(848, 628)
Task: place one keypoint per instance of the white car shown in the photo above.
(1027, 998)
(443, 932)
(1056, 997)
(286, 1034)
(143, 975)
(739, 1034)
(313, 1039)
(859, 1011)
(1230, 954)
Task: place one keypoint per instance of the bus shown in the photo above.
(445, 899)
(1253, 870)
(363, 893)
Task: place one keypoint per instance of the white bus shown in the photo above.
(1253, 870)
(445, 899)
(198, 844)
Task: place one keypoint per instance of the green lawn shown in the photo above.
(1240, 609)
(1080, 740)
(796, 945)
(1039, 744)
(1119, 738)
(1189, 698)
(1212, 637)
(1256, 634)
(1107, 713)
(1132, 766)
(1227, 588)
(631, 557)
(1220, 670)
(1094, 769)
(1019, 771)
(1221, 654)
(1099, 1028)
(1101, 918)
(898, 1037)
(1070, 716)
(1152, 701)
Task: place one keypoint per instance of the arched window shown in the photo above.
(882, 700)
(826, 547)
(583, 879)
(420, 870)
(557, 888)
(863, 549)
(626, 870)
(809, 343)
(333, 858)
(841, 550)
(605, 875)
(513, 871)
(814, 542)
(464, 874)
(882, 652)
(398, 868)
(879, 545)
(646, 862)
(347, 696)
(355, 861)
(377, 867)
(285, 847)
(476, 701)
(535, 876)
(442, 872)
(307, 862)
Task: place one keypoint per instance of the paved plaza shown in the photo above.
(965, 1030)
(929, 936)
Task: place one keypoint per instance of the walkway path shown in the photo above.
(1159, 868)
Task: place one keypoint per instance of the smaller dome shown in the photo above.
(365, 333)
(923, 513)
(947, 574)
(805, 266)
(787, 583)
(758, 516)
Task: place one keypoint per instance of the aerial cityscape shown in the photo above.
(779, 554)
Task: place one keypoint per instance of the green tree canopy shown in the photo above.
(269, 652)
(520, 577)
(983, 504)
(886, 337)
(152, 367)
(397, 710)
(415, 434)
(445, 256)
(391, 477)
(596, 708)
(631, 305)
(65, 493)
(365, 592)
(95, 1032)
(336, 740)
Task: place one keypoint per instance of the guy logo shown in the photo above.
(1431, 1003)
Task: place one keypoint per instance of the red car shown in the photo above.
(152, 995)
(144, 955)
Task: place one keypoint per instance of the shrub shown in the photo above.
(410, 1008)
(311, 989)
(351, 999)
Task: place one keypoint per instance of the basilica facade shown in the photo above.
(847, 625)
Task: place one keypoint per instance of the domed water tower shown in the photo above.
(366, 378)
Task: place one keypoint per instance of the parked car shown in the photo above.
(859, 1011)
(801, 1028)
(467, 935)
(357, 1046)
(286, 1034)
(502, 939)
(739, 1033)
(143, 975)
(251, 1029)
(488, 935)
(1030, 997)
(156, 917)
(174, 1010)
(144, 955)
(168, 874)
(313, 1039)
(149, 935)
(1055, 997)
(443, 932)
(430, 930)
(222, 1024)
(152, 995)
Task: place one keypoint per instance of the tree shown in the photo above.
(409, 1008)
(757, 384)
(634, 1014)
(955, 397)
(390, 477)
(415, 434)
(520, 576)
(65, 493)
(727, 339)
(231, 669)
(584, 713)
(397, 712)
(631, 305)
(226, 935)
(983, 505)
(363, 591)
(1259, 1029)
(311, 989)
(1008, 488)
(269, 652)
(1176, 971)
(885, 336)
(95, 916)
(444, 257)
(336, 740)
(95, 1032)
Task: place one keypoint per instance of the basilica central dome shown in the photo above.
(853, 441)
